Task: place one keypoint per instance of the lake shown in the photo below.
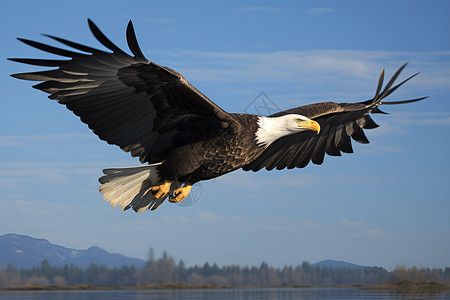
(217, 294)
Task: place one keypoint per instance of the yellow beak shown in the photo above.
(310, 125)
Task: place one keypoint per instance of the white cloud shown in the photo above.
(309, 223)
(423, 118)
(359, 229)
(213, 217)
(387, 149)
(349, 179)
(251, 180)
(322, 73)
(29, 140)
(171, 219)
(43, 171)
(31, 180)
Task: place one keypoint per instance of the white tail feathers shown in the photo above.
(130, 187)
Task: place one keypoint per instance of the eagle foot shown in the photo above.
(160, 191)
(180, 194)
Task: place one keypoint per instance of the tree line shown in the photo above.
(165, 270)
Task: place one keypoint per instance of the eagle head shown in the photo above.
(271, 129)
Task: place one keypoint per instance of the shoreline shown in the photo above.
(168, 286)
(398, 287)
(81, 287)
(408, 286)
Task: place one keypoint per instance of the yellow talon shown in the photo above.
(160, 191)
(181, 193)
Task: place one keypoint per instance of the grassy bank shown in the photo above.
(422, 287)
(167, 286)
(415, 287)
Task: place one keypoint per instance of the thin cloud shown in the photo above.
(358, 179)
(316, 71)
(19, 176)
(425, 118)
(358, 228)
(160, 20)
(28, 140)
(319, 11)
(389, 149)
(268, 9)
(254, 180)
(405, 119)
(213, 217)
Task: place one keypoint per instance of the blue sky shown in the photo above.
(387, 204)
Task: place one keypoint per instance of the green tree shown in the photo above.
(165, 268)
(180, 273)
(46, 269)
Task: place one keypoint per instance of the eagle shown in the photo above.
(180, 136)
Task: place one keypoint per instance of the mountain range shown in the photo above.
(335, 264)
(26, 252)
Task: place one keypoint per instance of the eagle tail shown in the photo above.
(130, 187)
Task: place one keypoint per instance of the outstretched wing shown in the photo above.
(339, 122)
(128, 101)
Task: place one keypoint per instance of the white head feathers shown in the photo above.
(272, 128)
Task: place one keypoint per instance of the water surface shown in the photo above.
(217, 294)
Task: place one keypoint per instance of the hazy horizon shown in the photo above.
(385, 205)
(179, 260)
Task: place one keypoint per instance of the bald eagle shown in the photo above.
(180, 135)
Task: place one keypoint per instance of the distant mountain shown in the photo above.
(26, 252)
(335, 264)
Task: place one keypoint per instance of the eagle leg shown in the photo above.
(181, 193)
(160, 191)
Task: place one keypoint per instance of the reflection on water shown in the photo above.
(267, 293)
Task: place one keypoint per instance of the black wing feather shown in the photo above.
(133, 44)
(50, 49)
(74, 45)
(330, 147)
(39, 62)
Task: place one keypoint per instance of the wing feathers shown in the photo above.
(380, 85)
(330, 147)
(74, 45)
(292, 161)
(304, 158)
(104, 40)
(51, 49)
(133, 44)
(318, 154)
(340, 123)
(367, 123)
(342, 140)
(127, 101)
(358, 134)
(390, 91)
(39, 62)
(50, 75)
(404, 101)
(386, 90)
